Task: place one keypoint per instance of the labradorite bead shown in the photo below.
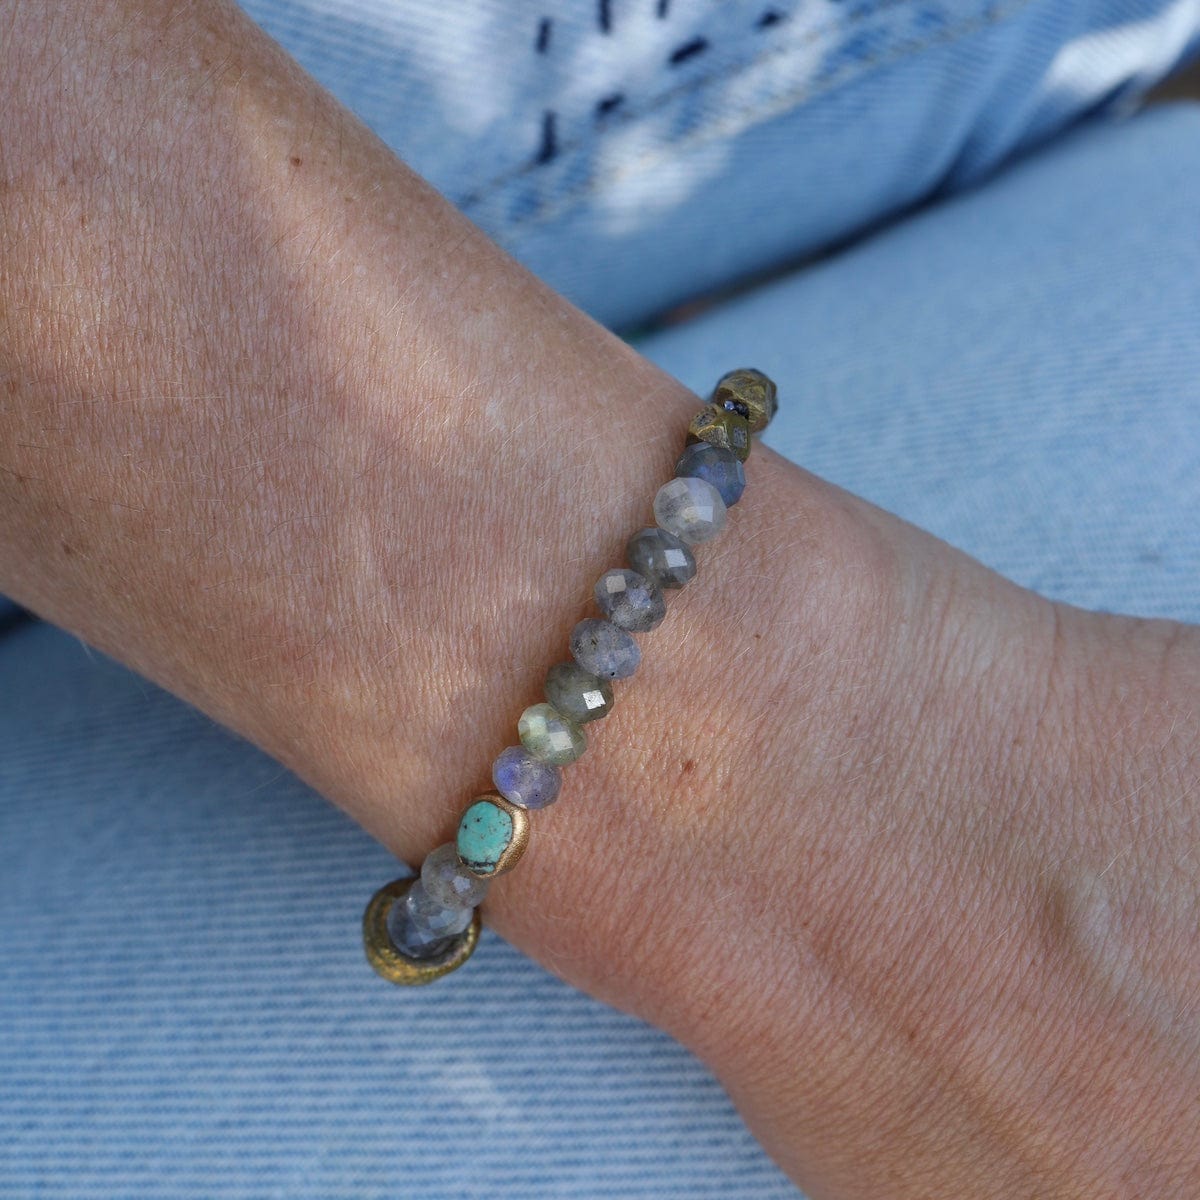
(749, 393)
(602, 649)
(630, 601)
(431, 915)
(491, 835)
(690, 508)
(661, 557)
(577, 694)
(548, 735)
(448, 882)
(525, 780)
(722, 427)
(411, 939)
(716, 466)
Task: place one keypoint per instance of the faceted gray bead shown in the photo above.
(630, 601)
(714, 465)
(524, 780)
(602, 649)
(661, 557)
(448, 882)
(690, 508)
(578, 694)
(548, 735)
(414, 940)
(430, 915)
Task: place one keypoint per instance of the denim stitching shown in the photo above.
(851, 19)
(732, 124)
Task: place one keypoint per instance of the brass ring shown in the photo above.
(399, 968)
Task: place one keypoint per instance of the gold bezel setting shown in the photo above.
(399, 968)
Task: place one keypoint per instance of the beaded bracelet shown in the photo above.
(422, 927)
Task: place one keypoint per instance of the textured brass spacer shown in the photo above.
(399, 968)
(749, 392)
(721, 427)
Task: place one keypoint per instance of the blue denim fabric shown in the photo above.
(603, 143)
(1016, 370)
(184, 1006)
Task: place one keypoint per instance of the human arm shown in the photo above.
(243, 452)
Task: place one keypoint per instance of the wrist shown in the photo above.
(999, 958)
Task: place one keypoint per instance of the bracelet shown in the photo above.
(421, 927)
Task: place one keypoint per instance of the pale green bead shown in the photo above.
(548, 735)
(577, 694)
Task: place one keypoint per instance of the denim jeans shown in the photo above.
(184, 1005)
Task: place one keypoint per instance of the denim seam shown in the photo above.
(750, 114)
(850, 20)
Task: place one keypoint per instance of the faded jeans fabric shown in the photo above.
(184, 1006)
(603, 142)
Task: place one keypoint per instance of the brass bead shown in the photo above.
(721, 427)
(750, 393)
(399, 968)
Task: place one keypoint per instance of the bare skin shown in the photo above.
(285, 433)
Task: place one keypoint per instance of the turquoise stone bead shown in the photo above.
(548, 735)
(491, 835)
(484, 833)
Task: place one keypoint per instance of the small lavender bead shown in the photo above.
(715, 465)
(414, 940)
(630, 601)
(602, 649)
(548, 735)
(691, 509)
(447, 881)
(522, 779)
(429, 915)
(577, 694)
(661, 557)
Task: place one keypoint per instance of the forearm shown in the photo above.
(287, 434)
(252, 364)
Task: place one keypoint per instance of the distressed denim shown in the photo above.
(184, 1006)
(605, 142)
